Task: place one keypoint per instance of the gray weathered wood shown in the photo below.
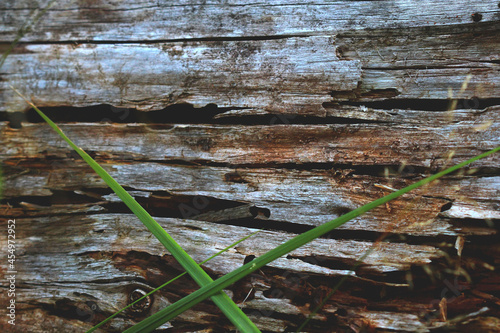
(296, 73)
(426, 143)
(163, 20)
(94, 250)
(302, 197)
(327, 106)
(318, 52)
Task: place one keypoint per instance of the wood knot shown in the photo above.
(141, 306)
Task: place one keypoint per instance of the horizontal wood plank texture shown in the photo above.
(222, 118)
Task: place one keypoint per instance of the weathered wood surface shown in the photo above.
(292, 75)
(393, 142)
(162, 20)
(320, 50)
(323, 106)
(275, 75)
(38, 173)
(301, 197)
(309, 196)
(93, 247)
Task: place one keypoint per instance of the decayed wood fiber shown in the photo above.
(321, 66)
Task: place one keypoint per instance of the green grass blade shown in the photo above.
(221, 299)
(170, 281)
(162, 316)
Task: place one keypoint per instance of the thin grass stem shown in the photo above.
(170, 281)
(162, 316)
(221, 299)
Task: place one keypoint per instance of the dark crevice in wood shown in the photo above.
(368, 170)
(303, 288)
(333, 263)
(479, 29)
(71, 309)
(408, 171)
(58, 197)
(156, 41)
(362, 270)
(371, 236)
(175, 114)
(428, 67)
(285, 226)
(427, 104)
(136, 280)
(188, 114)
(234, 213)
(424, 104)
(14, 119)
(446, 206)
(386, 171)
(291, 119)
(467, 223)
(176, 206)
(356, 94)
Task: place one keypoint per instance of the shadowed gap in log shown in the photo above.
(422, 104)
(212, 114)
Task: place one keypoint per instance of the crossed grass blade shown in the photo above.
(221, 299)
(211, 288)
(170, 281)
(162, 316)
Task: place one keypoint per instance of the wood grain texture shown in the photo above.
(309, 197)
(296, 73)
(162, 20)
(392, 142)
(319, 57)
(279, 116)
(109, 277)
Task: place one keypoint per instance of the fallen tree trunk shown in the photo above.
(225, 119)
